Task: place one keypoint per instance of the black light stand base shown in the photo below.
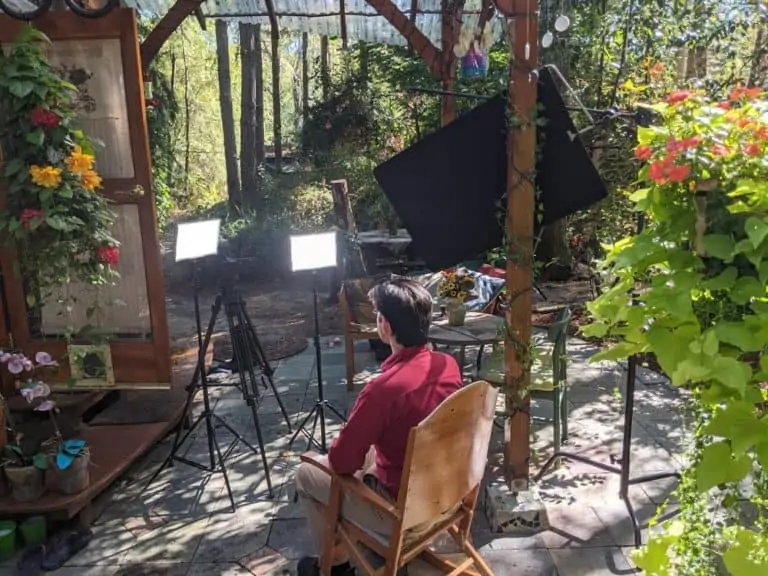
(624, 462)
(250, 358)
(318, 411)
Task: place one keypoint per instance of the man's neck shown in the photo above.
(395, 346)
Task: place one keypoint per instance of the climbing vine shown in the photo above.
(699, 273)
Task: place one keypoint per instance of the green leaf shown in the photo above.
(737, 334)
(595, 330)
(756, 229)
(13, 167)
(40, 461)
(31, 300)
(722, 281)
(710, 344)
(690, 370)
(21, 88)
(743, 557)
(746, 288)
(719, 246)
(739, 424)
(617, 352)
(718, 467)
(36, 138)
(731, 373)
(762, 272)
(14, 225)
(762, 454)
(55, 222)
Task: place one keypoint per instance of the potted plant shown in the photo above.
(455, 289)
(24, 462)
(58, 223)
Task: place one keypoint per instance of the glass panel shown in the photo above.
(120, 311)
(95, 67)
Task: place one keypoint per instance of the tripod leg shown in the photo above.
(279, 400)
(222, 465)
(336, 412)
(301, 429)
(318, 417)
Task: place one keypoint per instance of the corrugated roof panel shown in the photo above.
(322, 17)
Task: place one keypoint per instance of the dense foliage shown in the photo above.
(59, 223)
(698, 274)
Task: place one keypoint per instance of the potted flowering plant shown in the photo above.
(455, 289)
(699, 272)
(58, 223)
(25, 461)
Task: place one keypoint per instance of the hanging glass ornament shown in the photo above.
(472, 50)
(562, 23)
(547, 40)
(474, 64)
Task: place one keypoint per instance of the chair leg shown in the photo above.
(564, 413)
(479, 561)
(349, 353)
(556, 419)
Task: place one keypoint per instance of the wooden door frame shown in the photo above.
(132, 362)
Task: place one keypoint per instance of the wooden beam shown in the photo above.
(486, 13)
(522, 35)
(343, 16)
(168, 24)
(200, 19)
(415, 38)
(449, 32)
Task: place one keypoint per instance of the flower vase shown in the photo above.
(457, 312)
(76, 478)
(26, 482)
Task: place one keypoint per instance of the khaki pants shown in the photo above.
(313, 487)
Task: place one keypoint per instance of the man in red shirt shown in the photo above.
(371, 445)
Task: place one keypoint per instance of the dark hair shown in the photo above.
(407, 306)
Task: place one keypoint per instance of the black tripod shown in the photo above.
(318, 411)
(624, 462)
(249, 357)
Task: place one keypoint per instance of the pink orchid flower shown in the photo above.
(45, 406)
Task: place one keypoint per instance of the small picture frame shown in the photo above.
(90, 365)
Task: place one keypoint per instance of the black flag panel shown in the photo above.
(448, 187)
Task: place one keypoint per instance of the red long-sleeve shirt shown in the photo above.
(414, 381)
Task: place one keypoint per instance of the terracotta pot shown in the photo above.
(26, 482)
(457, 312)
(74, 479)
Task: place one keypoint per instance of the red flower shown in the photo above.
(109, 255)
(677, 97)
(720, 150)
(29, 214)
(744, 93)
(44, 118)
(724, 105)
(658, 172)
(678, 173)
(762, 133)
(643, 152)
(752, 149)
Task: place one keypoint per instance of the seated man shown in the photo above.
(371, 445)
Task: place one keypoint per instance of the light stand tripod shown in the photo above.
(624, 462)
(318, 411)
(200, 382)
(315, 252)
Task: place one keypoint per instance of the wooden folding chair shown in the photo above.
(358, 320)
(445, 461)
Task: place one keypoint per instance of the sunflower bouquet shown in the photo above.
(456, 285)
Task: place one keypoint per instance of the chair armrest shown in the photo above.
(352, 484)
(356, 486)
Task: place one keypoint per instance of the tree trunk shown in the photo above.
(258, 70)
(249, 119)
(227, 115)
(304, 76)
(276, 122)
(325, 71)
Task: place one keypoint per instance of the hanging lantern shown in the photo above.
(474, 64)
(147, 87)
(472, 51)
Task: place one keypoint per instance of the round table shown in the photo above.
(478, 330)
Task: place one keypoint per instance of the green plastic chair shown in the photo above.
(548, 375)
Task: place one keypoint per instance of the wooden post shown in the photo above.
(234, 193)
(523, 37)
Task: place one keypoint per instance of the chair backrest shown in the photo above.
(447, 454)
(558, 334)
(353, 298)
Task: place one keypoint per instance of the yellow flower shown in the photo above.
(90, 180)
(45, 176)
(78, 162)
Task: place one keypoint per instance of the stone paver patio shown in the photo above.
(181, 524)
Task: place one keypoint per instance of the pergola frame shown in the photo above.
(523, 38)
